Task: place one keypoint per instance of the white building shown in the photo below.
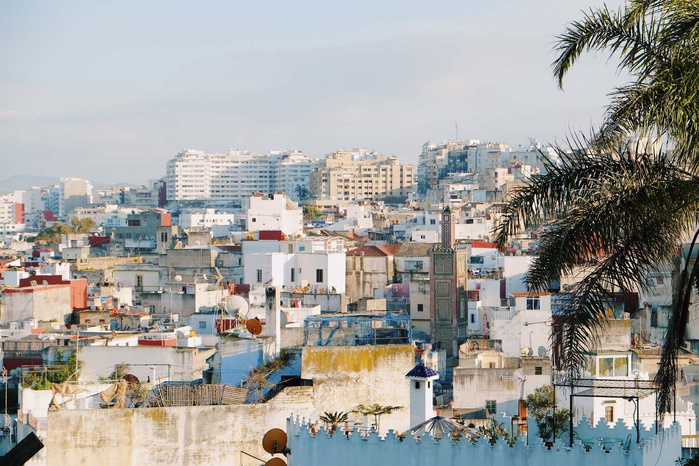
(276, 213)
(289, 172)
(221, 178)
(315, 264)
(206, 219)
(72, 193)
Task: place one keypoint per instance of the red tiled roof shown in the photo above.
(483, 245)
(371, 251)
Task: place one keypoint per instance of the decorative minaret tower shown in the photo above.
(421, 389)
(448, 276)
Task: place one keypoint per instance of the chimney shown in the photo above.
(421, 390)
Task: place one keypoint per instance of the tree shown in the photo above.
(82, 225)
(302, 192)
(540, 406)
(618, 211)
(377, 411)
(332, 420)
(310, 212)
(53, 235)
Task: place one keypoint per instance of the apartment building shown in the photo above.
(289, 173)
(193, 175)
(358, 175)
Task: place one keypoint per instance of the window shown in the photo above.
(538, 370)
(491, 406)
(134, 223)
(420, 307)
(202, 325)
(432, 221)
(533, 304)
(613, 366)
(259, 275)
(609, 413)
(139, 281)
(319, 275)
(417, 384)
(428, 384)
(293, 275)
(473, 318)
(254, 220)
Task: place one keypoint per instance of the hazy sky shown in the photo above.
(109, 91)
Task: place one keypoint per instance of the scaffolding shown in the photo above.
(384, 328)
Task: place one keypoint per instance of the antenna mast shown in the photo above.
(456, 130)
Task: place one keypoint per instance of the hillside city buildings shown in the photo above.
(186, 318)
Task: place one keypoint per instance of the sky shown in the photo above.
(111, 90)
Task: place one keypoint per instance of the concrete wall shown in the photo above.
(344, 376)
(100, 361)
(43, 303)
(180, 436)
(472, 387)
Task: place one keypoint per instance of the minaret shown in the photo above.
(448, 228)
(421, 389)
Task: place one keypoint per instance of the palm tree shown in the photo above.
(377, 411)
(617, 211)
(332, 420)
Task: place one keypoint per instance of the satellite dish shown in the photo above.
(240, 304)
(274, 442)
(541, 351)
(254, 326)
(526, 351)
(283, 318)
(498, 346)
(276, 462)
(178, 278)
(45, 282)
(131, 379)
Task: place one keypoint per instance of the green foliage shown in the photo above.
(332, 420)
(256, 380)
(82, 225)
(377, 411)
(540, 406)
(52, 235)
(61, 372)
(302, 192)
(620, 212)
(311, 212)
(494, 431)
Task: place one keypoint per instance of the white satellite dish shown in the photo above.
(239, 304)
(178, 278)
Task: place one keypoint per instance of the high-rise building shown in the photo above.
(220, 178)
(358, 175)
(290, 172)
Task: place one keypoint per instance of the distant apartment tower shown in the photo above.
(221, 178)
(358, 175)
(67, 195)
(439, 161)
(290, 172)
(436, 159)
